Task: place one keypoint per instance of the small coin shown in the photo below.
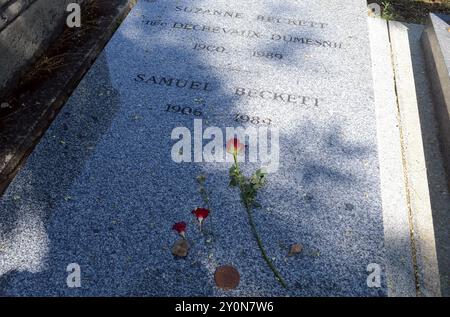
(227, 277)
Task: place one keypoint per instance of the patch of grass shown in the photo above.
(388, 11)
(413, 11)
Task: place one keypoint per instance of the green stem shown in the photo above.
(235, 161)
(206, 200)
(248, 207)
(263, 251)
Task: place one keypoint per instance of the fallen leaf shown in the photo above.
(227, 277)
(295, 249)
(181, 248)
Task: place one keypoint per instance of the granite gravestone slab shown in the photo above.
(101, 188)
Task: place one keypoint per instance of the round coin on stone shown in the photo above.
(227, 277)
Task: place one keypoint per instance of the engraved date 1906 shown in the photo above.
(183, 110)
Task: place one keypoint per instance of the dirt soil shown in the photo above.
(413, 11)
(30, 107)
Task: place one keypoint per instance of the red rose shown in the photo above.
(234, 146)
(201, 214)
(180, 227)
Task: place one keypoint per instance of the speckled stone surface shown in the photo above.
(397, 232)
(436, 45)
(102, 191)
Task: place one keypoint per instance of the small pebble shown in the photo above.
(181, 248)
(349, 206)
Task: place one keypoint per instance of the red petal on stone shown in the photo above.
(201, 212)
(179, 227)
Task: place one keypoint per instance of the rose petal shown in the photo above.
(179, 227)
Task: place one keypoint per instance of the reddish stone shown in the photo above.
(227, 277)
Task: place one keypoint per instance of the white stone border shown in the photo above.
(419, 203)
(399, 260)
(411, 260)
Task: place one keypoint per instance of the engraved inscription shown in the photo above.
(202, 11)
(166, 81)
(305, 40)
(269, 55)
(277, 96)
(249, 34)
(186, 110)
(173, 82)
(209, 48)
(255, 120)
(216, 29)
(289, 21)
(259, 17)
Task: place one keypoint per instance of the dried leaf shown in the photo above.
(295, 249)
(227, 277)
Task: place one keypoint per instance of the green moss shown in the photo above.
(388, 12)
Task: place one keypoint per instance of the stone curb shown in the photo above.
(436, 45)
(399, 258)
(414, 163)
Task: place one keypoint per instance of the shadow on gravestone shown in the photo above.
(57, 161)
(110, 208)
(50, 172)
(68, 145)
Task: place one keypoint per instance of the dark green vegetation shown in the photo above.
(414, 11)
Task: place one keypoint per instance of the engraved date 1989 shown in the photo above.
(267, 55)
